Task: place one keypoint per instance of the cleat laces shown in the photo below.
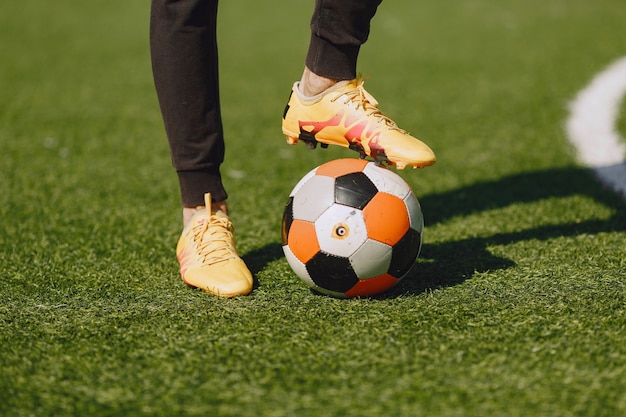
(213, 240)
(362, 99)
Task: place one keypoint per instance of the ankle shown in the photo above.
(312, 84)
(188, 212)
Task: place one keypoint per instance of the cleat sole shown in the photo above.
(311, 142)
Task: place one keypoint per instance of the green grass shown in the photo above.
(516, 306)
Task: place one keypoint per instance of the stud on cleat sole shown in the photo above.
(358, 148)
(309, 139)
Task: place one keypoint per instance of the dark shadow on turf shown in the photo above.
(258, 259)
(451, 263)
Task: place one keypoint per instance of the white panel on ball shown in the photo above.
(302, 181)
(297, 266)
(387, 181)
(371, 259)
(341, 230)
(313, 198)
(415, 212)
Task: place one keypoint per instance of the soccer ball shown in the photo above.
(351, 228)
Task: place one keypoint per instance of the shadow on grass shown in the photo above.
(258, 259)
(451, 263)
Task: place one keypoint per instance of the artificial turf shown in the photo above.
(516, 306)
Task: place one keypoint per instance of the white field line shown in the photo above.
(591, 126)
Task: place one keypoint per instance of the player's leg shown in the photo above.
(330, 106)
(338, 29)
(184, 60)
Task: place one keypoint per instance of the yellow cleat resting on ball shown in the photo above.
(348, 116)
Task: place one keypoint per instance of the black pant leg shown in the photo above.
(183, 48)
(338, 29)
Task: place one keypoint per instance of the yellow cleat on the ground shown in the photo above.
(347, 115)
(208, 257)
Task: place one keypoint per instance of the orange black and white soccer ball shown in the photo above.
(352, 228)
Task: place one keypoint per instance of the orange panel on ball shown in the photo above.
(340, 167)
(302, 240)
(373, 286)
(387, 218)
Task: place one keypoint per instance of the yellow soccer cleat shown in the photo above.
(207, 255)
(348, 116)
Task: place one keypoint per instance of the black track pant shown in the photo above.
(184, 62)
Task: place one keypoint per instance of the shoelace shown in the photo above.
(368, 103)
(213, 239)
